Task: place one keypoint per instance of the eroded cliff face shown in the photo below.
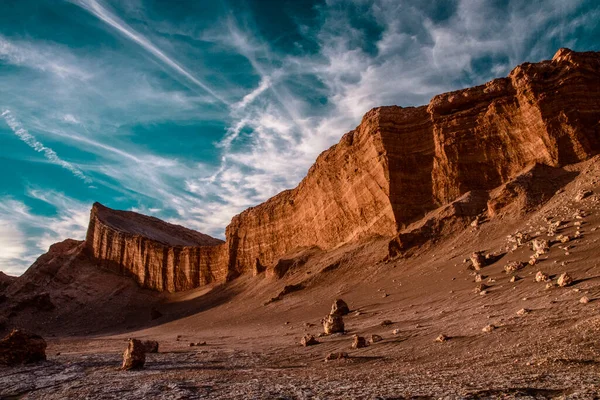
(394, 168)
(546, 112)
(158, 255)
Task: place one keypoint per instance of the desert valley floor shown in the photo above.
(541, 340)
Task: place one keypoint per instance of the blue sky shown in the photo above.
(192, 111)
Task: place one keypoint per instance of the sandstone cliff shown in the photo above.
(158, 255)
(398, 165)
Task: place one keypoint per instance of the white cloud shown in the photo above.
(97, 9)
(24, 234)
(43, 58)
(32, 142)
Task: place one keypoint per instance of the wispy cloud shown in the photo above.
(32, 142)
(43, 58)
(97, 9)
(24, 234)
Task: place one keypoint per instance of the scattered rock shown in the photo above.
(396, 331)
(333, 323)
(442, 338)
(478, 260)
(522, 311)
(488, 328)
(563, 238)
(541, 277)
(195, 344)
(582, 194)
(513, 266)
(340, 307)
(151, 346)
(564, 280)
(584, 300)
(336, 356)
(479, 277)
(358, 342)
(20, 347)
(540, 246)
(135, 355)
(550, 285)
(308, 340)
(481, 287)
(375, 339)
(514, 278)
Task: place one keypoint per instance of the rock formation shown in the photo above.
(20, 347)
(382, 178)
(158, 255)
(134, 356)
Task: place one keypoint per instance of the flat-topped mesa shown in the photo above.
(395, 167)
(157, 254)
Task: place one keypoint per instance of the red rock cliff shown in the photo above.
(400, 163)
(158, 255)
(397, 165)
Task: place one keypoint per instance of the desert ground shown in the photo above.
(521, 339)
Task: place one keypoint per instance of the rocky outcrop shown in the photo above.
(158, 255)
(20, 347)
(399, 165)
(5, 280)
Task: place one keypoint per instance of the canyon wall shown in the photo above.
(396, 166)
(158, 255)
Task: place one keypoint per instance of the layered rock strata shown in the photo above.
(398, 165)
(158, 255)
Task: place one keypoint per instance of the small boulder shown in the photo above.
(541, 277)
(340, 307)
(336, 356)
(584, 300)
(481, 287)
(564, 280)
(333, 323)
(358, 342)
(582, 194)
(135, 355)
(20, 347)
(540, 246)
(386, 322)
(488, 328)
(308, 340)
(151, 346)
(522, 311)
(375, 339)
(514, 278)
(478, 260)
(513, 267)
(442, 338)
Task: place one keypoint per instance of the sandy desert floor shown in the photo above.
(252, 350)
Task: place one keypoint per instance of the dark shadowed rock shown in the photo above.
(308, 340)
(135, 355)
(340, 307)
(21, 347)
(151, 346)
(358, 342)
